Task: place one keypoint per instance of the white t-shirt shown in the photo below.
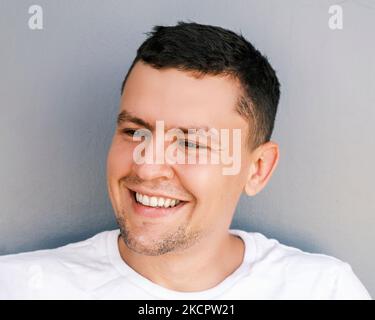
(94, 269)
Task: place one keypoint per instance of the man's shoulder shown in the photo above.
(327, 276)
(69, 255)
(37, 274)
(272, 252)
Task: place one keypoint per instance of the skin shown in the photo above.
(191, 250)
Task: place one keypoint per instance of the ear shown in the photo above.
(263, 164)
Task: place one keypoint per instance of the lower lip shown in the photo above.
(153, 212)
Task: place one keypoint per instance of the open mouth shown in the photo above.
(152, 206)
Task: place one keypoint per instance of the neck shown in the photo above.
(200, 267)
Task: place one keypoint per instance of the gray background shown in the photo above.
(59, 91)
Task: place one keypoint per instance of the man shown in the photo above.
(174, 216)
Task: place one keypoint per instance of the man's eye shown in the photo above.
(133, 132)
(190, 145)
(128, 132)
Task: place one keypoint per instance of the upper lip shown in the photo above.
(154, 194)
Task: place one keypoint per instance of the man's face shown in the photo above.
(207, 197)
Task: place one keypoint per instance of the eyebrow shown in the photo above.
(125, 116)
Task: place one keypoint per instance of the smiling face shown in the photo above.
(207, 198)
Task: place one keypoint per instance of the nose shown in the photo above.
(148, 171)
(155, 167)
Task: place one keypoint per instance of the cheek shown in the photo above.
(205, 182)
(119, 160)
(216, 194)
(196, 177)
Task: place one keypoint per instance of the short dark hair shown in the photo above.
(205, 49)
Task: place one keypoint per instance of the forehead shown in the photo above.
(177, 96)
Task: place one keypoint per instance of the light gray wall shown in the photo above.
(59, 94)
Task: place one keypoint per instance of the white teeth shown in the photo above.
(167, 203)
(156, 201)
(145, 200)
(161, 202)
(153, 201)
